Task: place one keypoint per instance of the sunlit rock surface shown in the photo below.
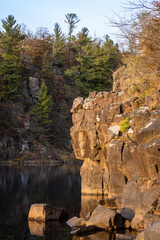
(104, 218)
(121, 158)
(43, 212)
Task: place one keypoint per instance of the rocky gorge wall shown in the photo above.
(119, 140)
(18, 139)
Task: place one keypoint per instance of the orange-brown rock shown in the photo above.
(104, 218)
(43, 212)
(114, 156)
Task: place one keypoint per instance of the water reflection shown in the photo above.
(55, 185)
(97, 236)
(37, 228)
(20, 187)
(88, 204)
(44, 229)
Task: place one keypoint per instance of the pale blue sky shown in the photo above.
(45, 13)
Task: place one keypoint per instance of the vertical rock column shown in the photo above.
(101, 173)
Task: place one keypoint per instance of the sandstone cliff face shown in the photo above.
(117, 161)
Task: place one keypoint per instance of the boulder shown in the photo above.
(44, 212)
(127, 213)
(152, 232)
(104, 218)
(75, 222)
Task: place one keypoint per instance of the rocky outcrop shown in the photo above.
(119, 142)
(111, 157)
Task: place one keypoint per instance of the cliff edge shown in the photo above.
(118, 137)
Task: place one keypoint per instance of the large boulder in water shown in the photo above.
(44, 212)
(104, 218)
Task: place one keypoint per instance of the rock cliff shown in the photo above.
(118, 137)
(18, 140)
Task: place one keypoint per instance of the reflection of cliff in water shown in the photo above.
(20, 187)
(96, 236)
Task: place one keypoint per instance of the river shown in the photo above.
(58, 185)
(22, 186)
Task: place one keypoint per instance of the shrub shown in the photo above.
(124, 125)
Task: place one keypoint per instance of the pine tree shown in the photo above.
(95, 63)
(58, 46)
(10, 45)
(83, 37)
(71, 19)
(111, 51)
(42, 109)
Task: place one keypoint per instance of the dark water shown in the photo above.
(20, 187)
(55, 185)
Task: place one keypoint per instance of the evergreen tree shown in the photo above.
(83, 37)
(111, 51)
(58, 46)
(71, 19)
(95, 64)
(42, 110)
(10, 45)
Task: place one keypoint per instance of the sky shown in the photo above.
(93, 14)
